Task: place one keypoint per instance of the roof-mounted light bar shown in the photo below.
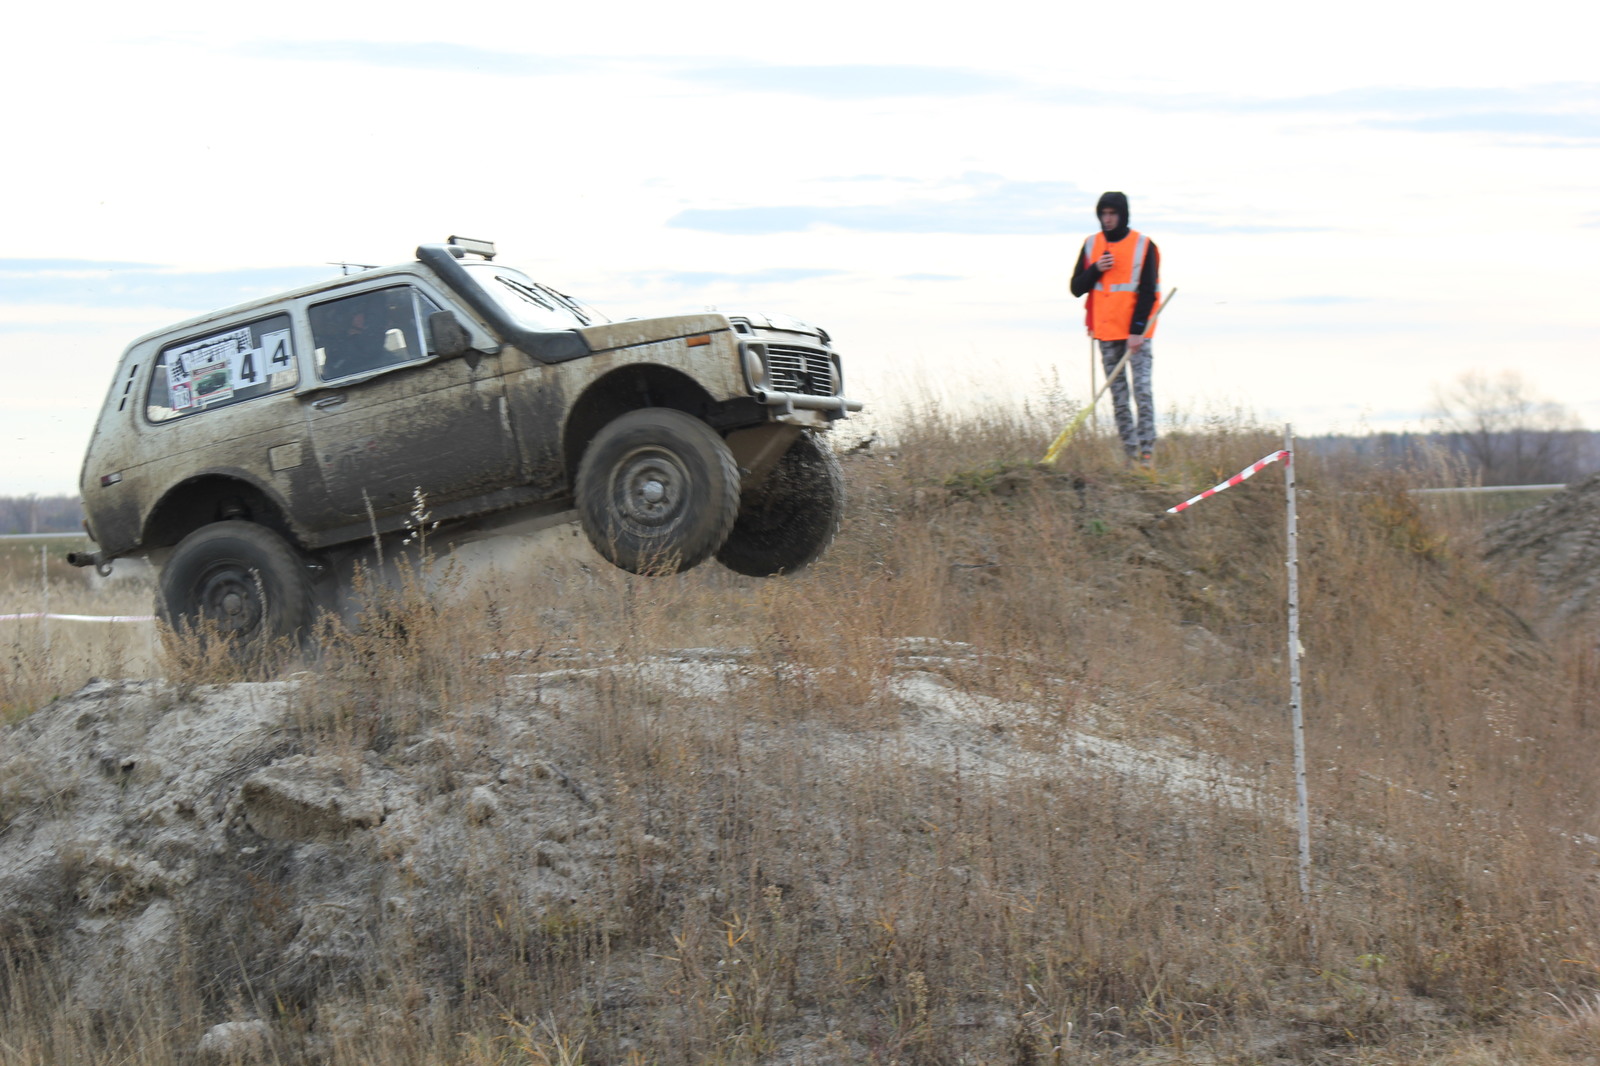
(469, 245)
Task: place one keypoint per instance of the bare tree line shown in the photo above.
(1509, 435)
(1488, 429)
(1528, 458)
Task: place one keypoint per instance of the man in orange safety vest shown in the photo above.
(1119, 269)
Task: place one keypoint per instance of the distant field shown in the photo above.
(21, 556)
(1482, 505)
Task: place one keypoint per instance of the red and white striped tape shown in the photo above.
(1232, 481)
(82, 617)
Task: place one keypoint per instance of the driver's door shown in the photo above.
(392, 422)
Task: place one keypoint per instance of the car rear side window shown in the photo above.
(369, 331)
(223, 367)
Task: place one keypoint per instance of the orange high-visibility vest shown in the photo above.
(1113, 296)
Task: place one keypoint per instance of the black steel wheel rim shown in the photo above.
(230, 597)
(648, 487)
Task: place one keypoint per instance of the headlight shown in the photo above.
(755, 366)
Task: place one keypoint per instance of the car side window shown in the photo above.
(222, 368)
(369, 331)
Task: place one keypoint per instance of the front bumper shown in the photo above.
(783, 371)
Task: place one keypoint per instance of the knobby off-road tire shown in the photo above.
(657, 491)
(238, 582)
(788, 520)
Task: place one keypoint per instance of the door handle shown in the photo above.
(328, 401)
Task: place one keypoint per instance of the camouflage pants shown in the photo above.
(1137, 428)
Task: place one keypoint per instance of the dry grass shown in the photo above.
(45, 659)
(803, 891)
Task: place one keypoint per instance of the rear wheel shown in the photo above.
(657, 491)
(237, 582)
(789, 519)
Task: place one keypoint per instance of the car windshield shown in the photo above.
(531, 304)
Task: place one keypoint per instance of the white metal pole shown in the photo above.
(44, 586)
(1302, 806)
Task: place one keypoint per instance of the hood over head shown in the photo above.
(1118, 202)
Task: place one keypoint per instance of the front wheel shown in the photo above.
(657, 491)
(238, 582)
(790, 518)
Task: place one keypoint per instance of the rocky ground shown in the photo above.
(143, 821)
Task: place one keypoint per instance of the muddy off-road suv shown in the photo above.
(248, 451)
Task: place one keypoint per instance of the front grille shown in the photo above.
(799, 370)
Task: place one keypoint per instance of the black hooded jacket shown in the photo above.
(1086, 274)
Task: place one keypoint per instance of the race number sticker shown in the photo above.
(205, 370)
(210, 369)
(224, 367)
(275, 353)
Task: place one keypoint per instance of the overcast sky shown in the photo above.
(1357, 203)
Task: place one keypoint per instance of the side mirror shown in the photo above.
(447, 336)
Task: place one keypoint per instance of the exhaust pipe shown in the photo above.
(94, 559)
